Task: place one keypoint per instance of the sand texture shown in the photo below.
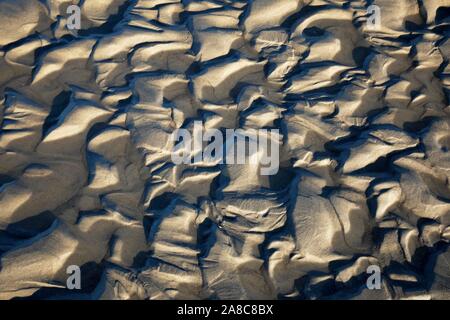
(87, 178)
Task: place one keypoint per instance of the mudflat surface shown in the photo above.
(87, 178)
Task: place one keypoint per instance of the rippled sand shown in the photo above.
(87, 179)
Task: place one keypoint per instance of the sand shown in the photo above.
(87, 178)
